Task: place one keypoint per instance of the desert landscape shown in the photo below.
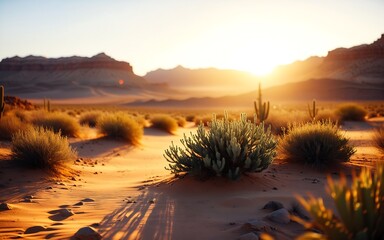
(247, 125)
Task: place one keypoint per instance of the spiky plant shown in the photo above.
(261, 109)
(314, 111)
(378, 138)
(226, 148)
(360, 208)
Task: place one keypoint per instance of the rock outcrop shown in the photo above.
(37, 63)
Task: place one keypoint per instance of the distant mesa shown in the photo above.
(38, 63)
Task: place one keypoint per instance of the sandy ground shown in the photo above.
(131, 195)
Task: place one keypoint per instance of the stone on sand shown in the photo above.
(279, 216)
(88, 200)
(35, 229)
(87, 233)
(5, 206)
(66, 212)
(273, 205)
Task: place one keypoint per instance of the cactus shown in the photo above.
(2, 102)
(313, 112)
(261, 109)
(47, 105)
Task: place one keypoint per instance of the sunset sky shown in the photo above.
(250, 35)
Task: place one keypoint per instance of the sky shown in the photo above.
(249, 35)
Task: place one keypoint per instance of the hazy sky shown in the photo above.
(251, 35)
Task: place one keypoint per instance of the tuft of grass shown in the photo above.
(181, 122)
(9, 125)
(316, 143)
(120, 126)
(41, 148)
(90, 118)
(378, 138)
(350, 112)
(57, 122)
(164, 122)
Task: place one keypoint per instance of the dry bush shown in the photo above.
(350, 112)
(120, 126)
(316, 143)
(57, 122)
(164, 122)
(280, 121)
(378, 138)
(9, 125)
(190, 118)
(181, 122)
(41, 148)
(90, 118)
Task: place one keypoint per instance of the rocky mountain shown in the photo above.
(363, 63)
(71, 77)
(205, 81)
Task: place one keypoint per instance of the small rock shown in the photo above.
(152, 201)
(280, 216)
(87, 233)
(258, 225)
(88, 200)
(248, 236)
(78, 204)
(5, 206)
(273, 205)
(35, 229)
(274, 188)
(66, 212)
(73, 178)
(29, 197)
(49, 188)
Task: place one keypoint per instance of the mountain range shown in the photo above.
(355, 73)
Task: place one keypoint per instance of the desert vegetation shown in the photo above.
(41, 148)
(316, 143)
(350, 112)
(57, 122)
(164, 122)
(378, 137)
(90, 118)
(120, 126)
(9, 125)
(228, 148)
(360, 207)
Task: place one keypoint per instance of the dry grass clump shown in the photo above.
(378, 138)
(281, 121)
(90, 118)
(190, 118)
(164, 122)
(327, 115)
(58, 122)
(181, 122)
(41, 148)
(9, 125)
(120, 126)
(316, 143)
(350, 112)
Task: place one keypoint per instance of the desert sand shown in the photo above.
(124, 192)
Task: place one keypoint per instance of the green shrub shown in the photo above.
(360, 208)
(58, 122)
(378, 138)
(9, 125)
(41, 148)
(90, 118)
(164, 122)
(350, 112)
(226, 148)
(316, 143)
(120, 126)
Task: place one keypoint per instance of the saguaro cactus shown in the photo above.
(313, 112)
(261, 109)
(2, 101)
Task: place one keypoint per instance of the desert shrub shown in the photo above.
(350, 112)
(203, 120)
(226, 148)
(22, 115)
(378, 138)
(316, 143)
(9, 125)
(57, 122)
(120, 126)
(190, 118)
(164, 122)
(89, 118)
(181, 121)
(360, 207)
(327, 115)
(41, 148)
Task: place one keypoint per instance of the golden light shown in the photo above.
(121, 82)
